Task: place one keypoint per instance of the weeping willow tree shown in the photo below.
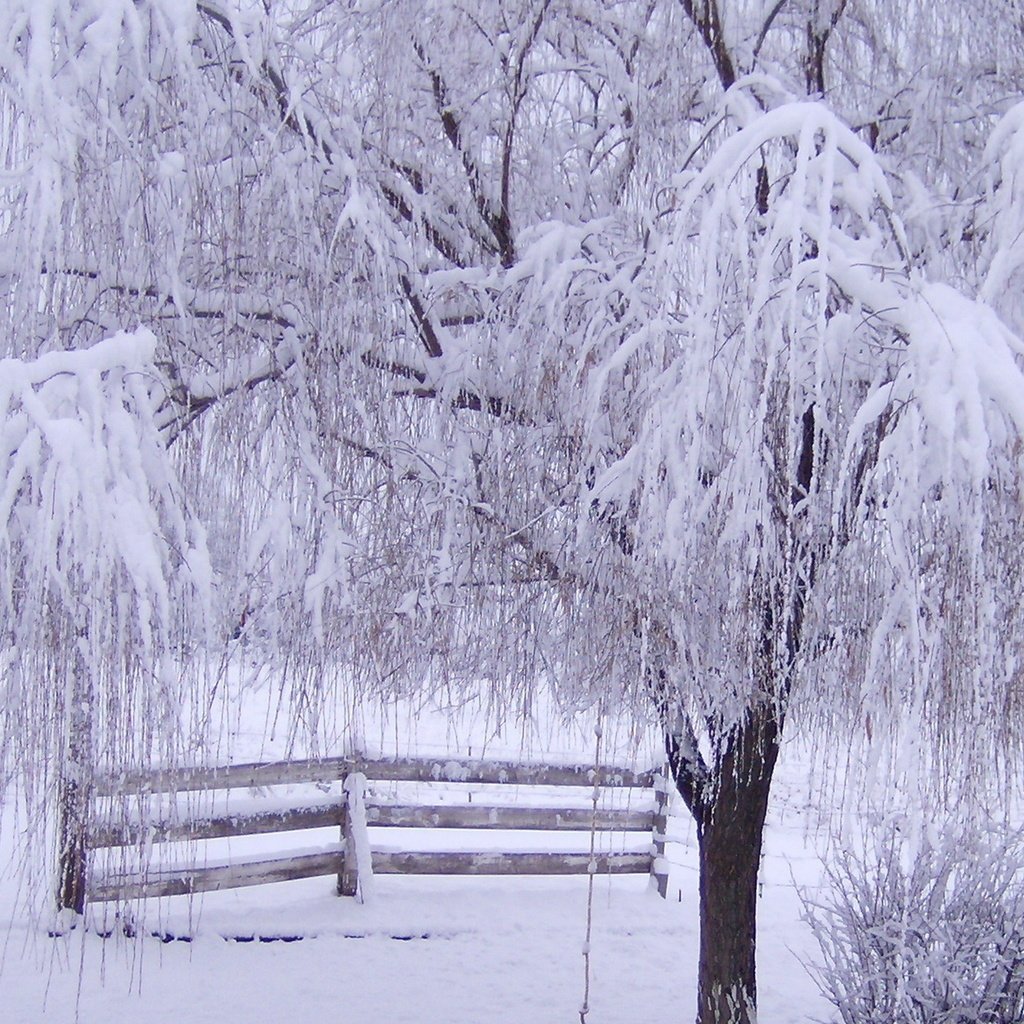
(104, 571)
(653, 349)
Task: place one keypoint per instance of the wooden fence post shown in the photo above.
(358, 867)
(659, 827)
(347, 877)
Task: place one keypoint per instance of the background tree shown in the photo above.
(660, 350)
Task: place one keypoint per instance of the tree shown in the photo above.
(103, 571)
(646, 345)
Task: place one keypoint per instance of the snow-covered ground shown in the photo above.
(423, 950)
(426, 951)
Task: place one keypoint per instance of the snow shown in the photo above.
(424, 950)
(129, 350)
(638, 407)
(430, 951)
(355, 789)
(503, 956)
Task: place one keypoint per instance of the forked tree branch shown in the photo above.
(818, 33)
(706, 17)
(289, 110)
(496, 220)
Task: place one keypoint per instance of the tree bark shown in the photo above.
(730, 808)
(74, 786)
(71, 846)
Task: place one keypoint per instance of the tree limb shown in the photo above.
(705, 16)
(496, 220)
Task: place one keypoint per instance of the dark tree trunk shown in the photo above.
(74, 788)
(730, 836)
(728, 794)
(729, 805)
(71, 846)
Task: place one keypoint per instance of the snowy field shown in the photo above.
(424, 950)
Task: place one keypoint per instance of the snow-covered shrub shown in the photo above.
(926, 931)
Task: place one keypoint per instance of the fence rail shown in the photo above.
(391, 863)
(353, 815)
(477, 816)
(183, 882)
(276, 773)
(106, 834)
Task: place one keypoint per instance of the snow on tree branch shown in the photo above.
(101, 563)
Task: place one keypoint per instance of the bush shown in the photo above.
(926, 933)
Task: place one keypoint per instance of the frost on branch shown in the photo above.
(101, 568)
(824, 447)
(924, 932)
(1004, 216)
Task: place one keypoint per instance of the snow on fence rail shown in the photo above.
(352, 858)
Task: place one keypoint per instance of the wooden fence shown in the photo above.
(352, 859)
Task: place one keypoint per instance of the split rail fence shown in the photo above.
(352, 858)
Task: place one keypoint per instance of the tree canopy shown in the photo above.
(669, 352)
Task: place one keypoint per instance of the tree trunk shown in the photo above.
(71, 845)
(74, 787)
(729, 807)
(730, 854)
